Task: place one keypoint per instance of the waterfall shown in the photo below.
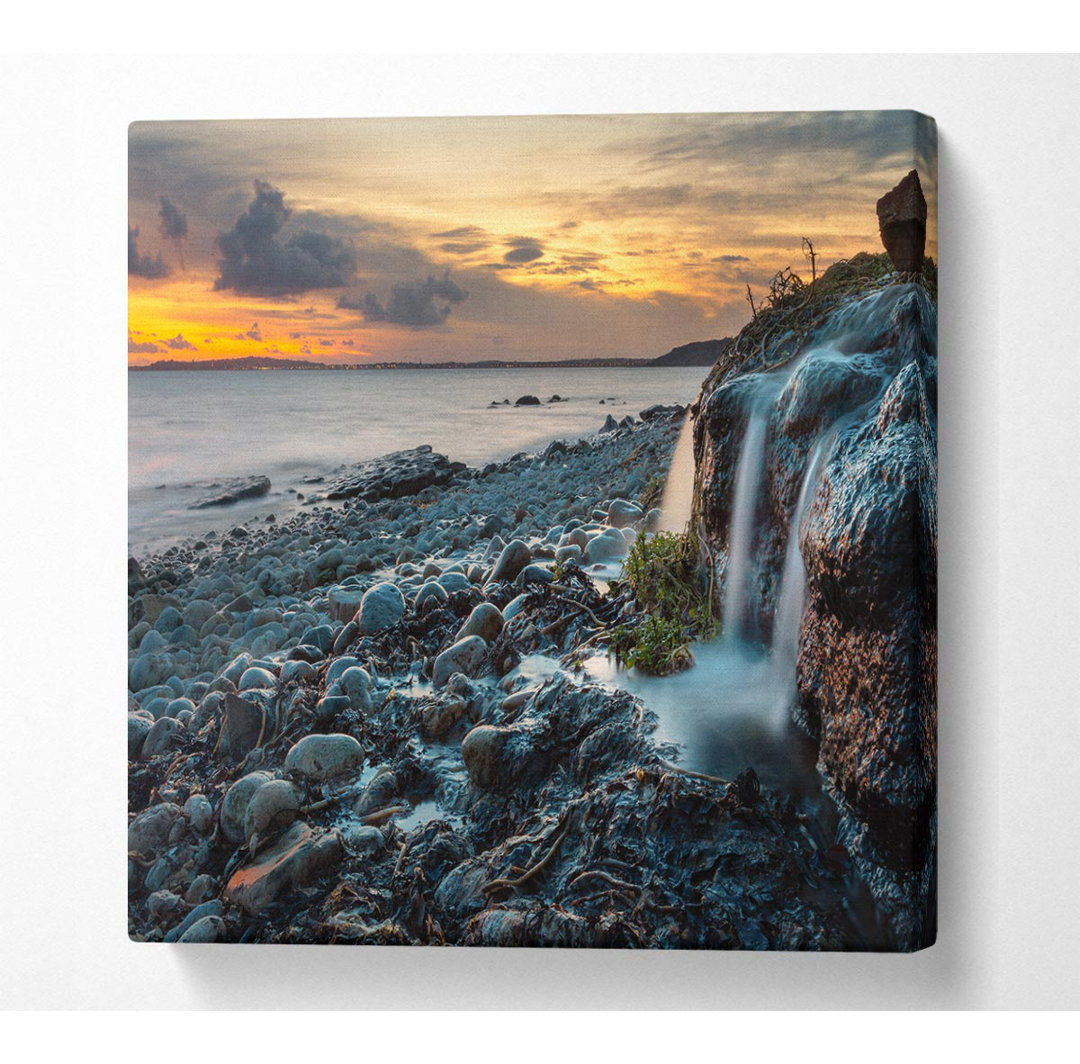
(792, 593)
(677, 502)
(748, 477)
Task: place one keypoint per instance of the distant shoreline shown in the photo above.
(225, 365)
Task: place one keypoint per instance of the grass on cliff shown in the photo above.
(664, 572)
(794, 307)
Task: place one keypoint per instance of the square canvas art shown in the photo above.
(533, 531)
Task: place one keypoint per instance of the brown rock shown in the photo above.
(902, 223)
(298, 858)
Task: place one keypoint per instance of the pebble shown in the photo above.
(464, 656)
(322, 757)
(486, 621)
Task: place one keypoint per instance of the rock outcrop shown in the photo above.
(862, 389)
(902, 223)
(396, 475)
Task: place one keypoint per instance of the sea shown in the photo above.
(189, 430)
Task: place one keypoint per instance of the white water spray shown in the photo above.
(677, 502)
(792, 594)
(748, 477)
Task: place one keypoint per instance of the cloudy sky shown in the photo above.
(475, 238)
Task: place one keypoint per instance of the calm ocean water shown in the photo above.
(188, 429)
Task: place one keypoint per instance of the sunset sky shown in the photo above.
(479, 238)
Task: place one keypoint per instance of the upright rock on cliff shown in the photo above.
(902, 223)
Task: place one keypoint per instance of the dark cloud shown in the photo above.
(453, 248)
(472, 231)
(730, 258)
(143, 265)
(413, 304)
(253, 333)
(255, 261)
(136, 347)
(178, 343)
(523, 249)
(173, 220)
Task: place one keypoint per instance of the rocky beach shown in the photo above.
(668, 684)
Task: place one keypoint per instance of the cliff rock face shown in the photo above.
(861, 393)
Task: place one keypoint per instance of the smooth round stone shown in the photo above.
(534, 574)
(236, 668)
(570, 553)
(486, 621)
(234, 804)
(256, 678)
(178, 706)
(151, 830)
(138, 729)
(152, 642)
(161, 736)
(464, 656)
(322, 757)
(609, 544)
(621, 513)
(274, 805)
(200, 813)
(432, 591)
(321, 636)
(294, 671)
(381, 607)
(168, 619)
(198, 612)
(514, 607)
(208, 929)
(514, 557)
(334, 673)
(355, 683)
(456, 581)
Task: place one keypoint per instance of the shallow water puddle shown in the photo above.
(728, 712)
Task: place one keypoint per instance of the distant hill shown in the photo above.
(250, 362)
(699, 353)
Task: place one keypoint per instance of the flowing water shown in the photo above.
(677, 502)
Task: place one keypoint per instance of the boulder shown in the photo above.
(514, 557)
(464, 656)
(527, 400)
(381, 607)
(395, 476)
(486, 621)
(300, 856)
(322, 757)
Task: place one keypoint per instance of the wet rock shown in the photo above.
(323, 757)
(234, 805)
(381, 607)
(527, 400)
(902, 223)
(139, 726)
(200, 813)
(465, 656)
(300, 856)
(208, 929)
(610, 425)
(514, 557)
(482, 750)
(206, 909)
(622, 513)
(246, 724)
(255, 679)
(395, 476)
(486, 621)
(162, 736)
(609, 544)
(273, 806)
(152, 829)
(231, 491)
(342, 602)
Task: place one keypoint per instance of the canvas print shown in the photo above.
(533, 531)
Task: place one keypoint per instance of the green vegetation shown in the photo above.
(653, 491)
(664, 572)
(794, 307)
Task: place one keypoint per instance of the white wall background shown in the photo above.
(1009, 573)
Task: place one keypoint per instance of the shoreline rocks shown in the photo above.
(233, 491)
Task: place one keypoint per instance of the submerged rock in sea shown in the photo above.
(231, 491)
